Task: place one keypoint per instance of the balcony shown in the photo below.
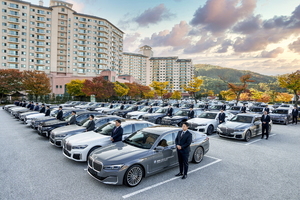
(40, 19)
(40, 50)
(82, 20)
(40, 32)
(13, 41)
(41, 26)
(13, 47)
(14, 6)
(40, 44)
(82, 43)
(15, 14)
(14, 21)
(13, 61)
(13, 27)
(41, 12)
(13, 54)
(81, 60)
(40, 37)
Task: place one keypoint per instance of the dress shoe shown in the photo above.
(179, 174)
(184, 177)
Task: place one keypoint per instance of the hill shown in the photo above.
(231, 75)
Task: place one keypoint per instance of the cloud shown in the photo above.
(206, 42)
(224, 46)
(219, 15)
(248, 25)
(272, 54)
(177, 37)
(130, 40)
(153, 15)
(295, 46)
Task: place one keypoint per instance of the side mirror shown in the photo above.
(159, 148)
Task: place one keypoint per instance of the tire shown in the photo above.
(133, 175)
(210, 130)
(158, 121)
(286, 122)
(198, 155)
(90, 151)
(248, 136)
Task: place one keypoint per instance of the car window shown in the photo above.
(167, 140)
(257, 119)
(127, 129)
(140, 126)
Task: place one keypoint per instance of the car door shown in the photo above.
(127, 130)
(168, 156)
(257, 125)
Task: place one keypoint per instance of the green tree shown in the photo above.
(160, 88)
(74, 88)
(120, 89)
(193, 87)
(291, 82)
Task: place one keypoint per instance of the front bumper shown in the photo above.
(112, 177)
(43, 132)
(231, 133)
(278, 120)
(152, 120)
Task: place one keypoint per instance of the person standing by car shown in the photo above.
(170, 111)
(117, 132)
(91, 124)
(295, 114)
(223, 107)
(206, 106)
(32, 106)
(24, 104)
(59, 115)
(122, 107)
(29, 105)
(183, 142)
(150, 109)
(43, 109)
(73, 118)
(221, 117)
(191, 113)
(267, 109)
(265, 119)
(47, 111)
(243, 109)
(36, 107)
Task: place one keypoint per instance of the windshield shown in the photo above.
(280, 111)
(201, 106)
(235, 108)
(257, 109)
(82, 123)
(208, 115)
(142, 139)
(216, 107)
(129, 108)
(105, 129)
(182, 113)
(242, 119)
(144, 109)
(161, 110)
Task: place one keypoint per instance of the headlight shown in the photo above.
(79, 146)
(113, 167)
(46, 128)
(60, 136)
(239, 130)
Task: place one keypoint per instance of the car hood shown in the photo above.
(136, 113)
(154, 114)
(175, 117)
(36, 115)
(201, 120)
(278, 115)
(87, 138)
(234, 125)
(53, 122)
(118, 153)
(66, 129)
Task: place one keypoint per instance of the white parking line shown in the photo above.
(258, 140)
(172, 179)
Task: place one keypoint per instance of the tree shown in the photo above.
(239, 89)
(133, 90)
(167, 95)
(264, 98)
(176, 95)
(11, 81)
(36, 83)
(160, 87)
(284, 97)
(149, 95)
(228, 95)
(245, 96)
(120, 89)
(255, 94)
(292, 82)
(74, 88)
(273, 94)
(193, 86)
(144, 90)
(99, 87)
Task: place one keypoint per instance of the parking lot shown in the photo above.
(31, 168)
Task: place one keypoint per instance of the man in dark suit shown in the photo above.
(170, 111)
(191, 113)
(43, 109)
(221, 117)
(267, 109)
(223, 107)
(111, 106)
(29, 105)
(73, 118)
(59, 115)
(150, 109)
(36, 107)
(122, 107)
(117, 132)
(47, 111)
(91, 124)
(295, 114)
(183, 142)
(32, 106)
(243, 109)
(24, 104)
(206, 106)
(265, 119)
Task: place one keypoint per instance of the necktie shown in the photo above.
(182, 134)
(116, 129)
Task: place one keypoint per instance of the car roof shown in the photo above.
(133, 121)
(249, 114)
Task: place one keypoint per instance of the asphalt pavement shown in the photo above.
(31, 168)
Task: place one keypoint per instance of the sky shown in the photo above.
(258, 35)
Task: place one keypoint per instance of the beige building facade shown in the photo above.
(59, 41)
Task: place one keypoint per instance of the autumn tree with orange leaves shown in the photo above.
(99, 87)
(11, 81)
(137, 90)
(238, 89)
(292, 82)
(36, 83)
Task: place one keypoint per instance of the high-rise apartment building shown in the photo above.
(59, 41)
(146, 68)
